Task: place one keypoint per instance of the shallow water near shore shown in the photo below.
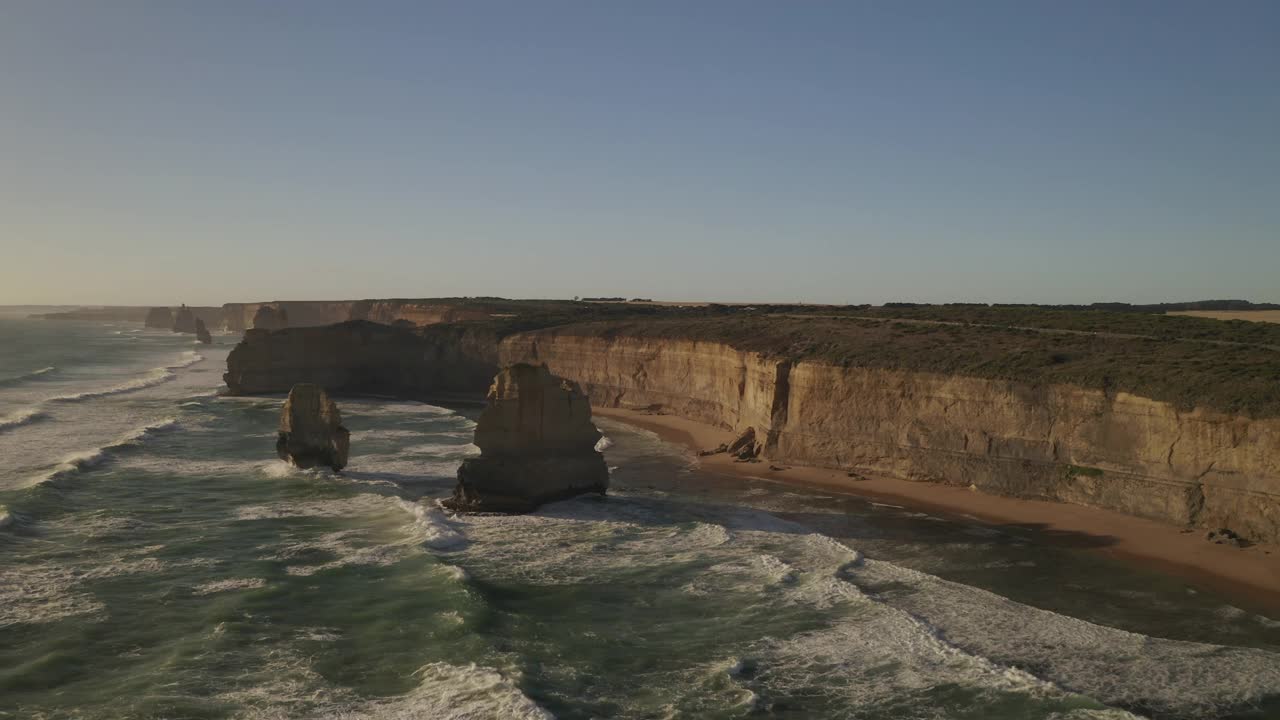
(157, 561)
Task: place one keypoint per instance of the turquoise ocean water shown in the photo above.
(157, 561)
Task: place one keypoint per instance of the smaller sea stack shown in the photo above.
(311, 431)
(202, 332)
(160, 318)
(537, 444)
(184, 321)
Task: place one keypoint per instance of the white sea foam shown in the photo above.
(452, 692)
(79, 462)
(604, 443)
(438, 532)
(153, 378)
(21, 417)
(230, 584)
(187, 359)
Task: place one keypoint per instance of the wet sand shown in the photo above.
(1250, 574)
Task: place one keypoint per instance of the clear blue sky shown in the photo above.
(169, 151)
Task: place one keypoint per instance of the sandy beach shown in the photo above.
(1250, 574)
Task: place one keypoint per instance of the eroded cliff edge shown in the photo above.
(1045, 440)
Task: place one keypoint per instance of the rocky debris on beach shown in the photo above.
(1225, 536)
(537, 444)
(202, 332)
(745, 448)
(270, 318)
(311, 431)
(184, 321)
(159, 317)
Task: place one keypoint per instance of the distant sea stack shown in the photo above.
(202, 332)
(184, 321)
(160, 318)
(270, 318)
(537, 444)
(311, 431)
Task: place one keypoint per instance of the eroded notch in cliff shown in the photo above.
(778, 408)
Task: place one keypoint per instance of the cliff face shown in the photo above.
(1062, 443)
(238, 317)
(362, 357)
(160, 318)
(1046, 441)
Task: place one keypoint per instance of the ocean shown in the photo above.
(158, 561)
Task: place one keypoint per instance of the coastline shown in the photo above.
(1250, 574)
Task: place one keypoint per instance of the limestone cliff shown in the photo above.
(238, 317)
(1050, 441)
(365, 357)
(269, 317)
(160, 318)
(311, 432)
(1054, 442)
(537, 444)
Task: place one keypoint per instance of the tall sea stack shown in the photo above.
(160, 318)
(202, 332)
(184, 321)
(537, 444)
(311, 431)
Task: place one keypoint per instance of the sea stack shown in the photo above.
(311, 431)
(270, 318)
(202, 332)
(184, 321)
(159, 317)
(537, 444)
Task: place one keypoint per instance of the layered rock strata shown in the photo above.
(1053, 442)
(311, 432)
(1115, 450)
(537, 444)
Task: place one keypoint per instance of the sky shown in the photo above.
(834, 152)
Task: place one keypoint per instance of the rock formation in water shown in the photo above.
(160, 318)
(202, 332)
(1207, 468)
(270, 318)
(537, 444)
(184, 321)
(311, 431)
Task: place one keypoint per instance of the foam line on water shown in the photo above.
(26, 376)
(21, 417)
(154, 377)
(89, 459)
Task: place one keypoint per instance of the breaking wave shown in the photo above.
(188, 358)
(26, 376)
(155, 377)
(74, 464)
(20, 418)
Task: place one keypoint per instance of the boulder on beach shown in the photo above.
(537, 444)
(311, 431)
(184, 321)
(159, 317)
(202, 332)
(270, 318)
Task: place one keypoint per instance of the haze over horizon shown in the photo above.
(158, 153)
